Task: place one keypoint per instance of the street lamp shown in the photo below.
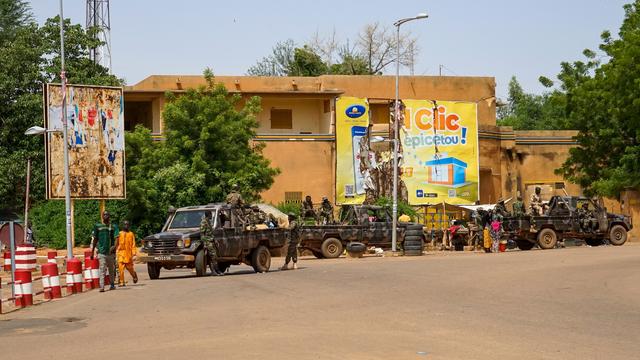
(37, 130)
(394, 235)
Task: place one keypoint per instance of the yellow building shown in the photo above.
(297, 124)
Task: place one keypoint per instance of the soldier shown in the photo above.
(206, 235)
(307, 208)
(501, 208)
(326, 211)
(518, 207)
(294, 239)
(584, 218)
(535, 203)
(256, 217)
(234, 197)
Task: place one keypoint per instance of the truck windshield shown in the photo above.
(187, 219)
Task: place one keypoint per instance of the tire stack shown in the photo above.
(413, 240)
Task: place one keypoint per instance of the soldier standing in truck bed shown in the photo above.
(518, 207)
(326, 211)
(234, 198)
(294, 239)
(206, 235)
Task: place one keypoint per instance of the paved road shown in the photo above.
(577, 303)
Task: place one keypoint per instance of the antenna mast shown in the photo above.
(99, 18)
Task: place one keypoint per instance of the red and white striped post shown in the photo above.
(51, 281)
(74, 276)
(51, 257)
(95, 272)
(0, 296)
(7, 261)
(26, 258)
(23, 288)
(88, 268)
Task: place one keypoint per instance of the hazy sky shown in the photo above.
(497, 38)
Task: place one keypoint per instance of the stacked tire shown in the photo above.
(413, 240)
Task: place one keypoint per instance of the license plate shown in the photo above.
(162, 258)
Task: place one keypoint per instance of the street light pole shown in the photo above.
(396, 138)
(67, 188)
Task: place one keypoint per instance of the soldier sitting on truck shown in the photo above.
(535, 203)
(234, 197)
(256, 217)
(307, 208)
(326, 211)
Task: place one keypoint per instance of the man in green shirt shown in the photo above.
(104, 238)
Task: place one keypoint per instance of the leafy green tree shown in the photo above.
(29, 57)
(209, 146)
(603, 105)
(525, 111)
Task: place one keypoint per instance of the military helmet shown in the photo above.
(291, 216)
(234, 186)
(324, 198)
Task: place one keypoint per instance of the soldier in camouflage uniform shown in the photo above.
(206, 235)
(294, 239)
(518, 207)
(256, 217)
(326, 211)
(234, 197)
(535, 203)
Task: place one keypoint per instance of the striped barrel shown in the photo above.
(7, 261)
(26, 258)
(51, 257)
(23, 288)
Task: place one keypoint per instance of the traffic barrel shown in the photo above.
(0, 296)
(87, 255)
(51, 281)
(88, 277)
(51, 257)
(23, 288)
(26, 258)
(95, 272)
(7, 261)
(74, 276)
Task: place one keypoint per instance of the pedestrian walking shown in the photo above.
(294, 238)
(104, 239)
(126, 251)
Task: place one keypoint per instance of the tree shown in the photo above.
(276, 64)
(372, 52)
(34, 51)
(209, 146)
(525, 111)
(602, 103)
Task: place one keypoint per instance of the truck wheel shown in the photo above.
(201, 263)
(261, 259)
(618, 235)
(547, 238)
(524, 244)
(154, 270)
(331, 248)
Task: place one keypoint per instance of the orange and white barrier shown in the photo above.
(23, 288)
(88, 272)
(94, 265)
(26, 258)
(51, 281)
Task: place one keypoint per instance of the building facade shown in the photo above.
(297, 124)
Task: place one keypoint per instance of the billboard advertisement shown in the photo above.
(352, 121)
(95, 129)
(440, 152)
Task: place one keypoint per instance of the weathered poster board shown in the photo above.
(95, 128)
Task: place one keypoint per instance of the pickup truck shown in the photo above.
(563, 219)
(370, 225)
(179, 243)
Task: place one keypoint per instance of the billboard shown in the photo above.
(352, 121)
(440, 152)
(95, 129)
